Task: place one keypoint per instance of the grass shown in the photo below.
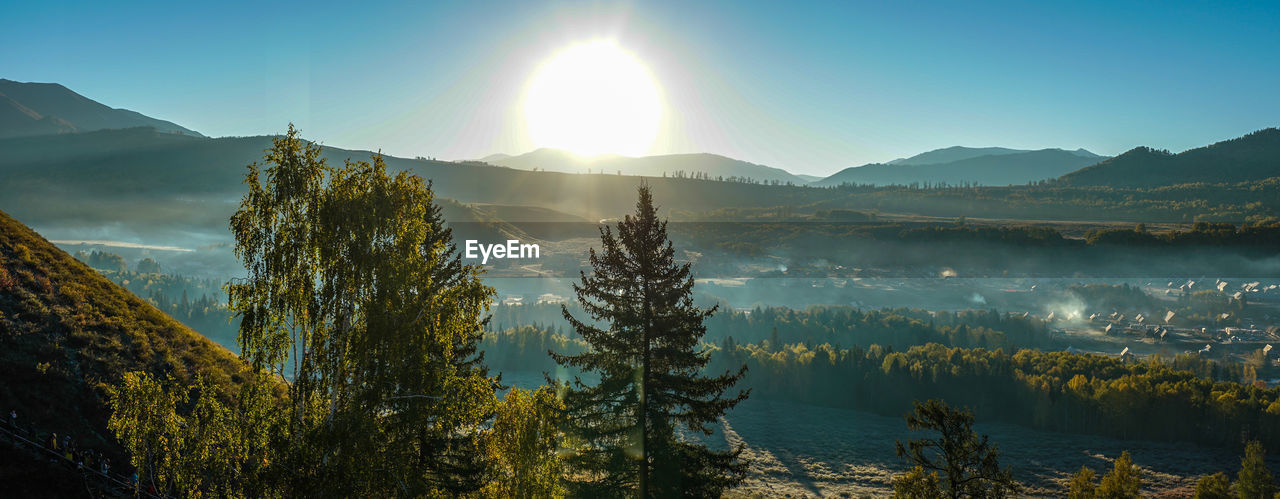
(67, 335)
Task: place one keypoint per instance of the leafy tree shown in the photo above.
(1254, 479)
(357, 297)
(144, 418)
(211, 451)
(648, 358)
(148, 266)
(969, 465)
(1082, 485)
(181, 455)
(107, 261)
(915, 484)
(1215, 486)
(1123, 481)
(524, 446)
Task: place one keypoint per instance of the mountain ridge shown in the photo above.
(1004, 168)
(1253, 156)
(30, 108)
(959, 153)
(713, 165)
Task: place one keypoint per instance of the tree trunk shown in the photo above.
(644, 395)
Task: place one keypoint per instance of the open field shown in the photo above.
(801, 450)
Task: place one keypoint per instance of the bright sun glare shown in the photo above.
(593, 98)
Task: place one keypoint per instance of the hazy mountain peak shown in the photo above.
(1002, 167)
(953, 153)
(688, 164)
(58, 109)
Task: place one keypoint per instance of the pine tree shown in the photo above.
(1123, 481)
(631, 425)
(1254, 479)
(968, 464)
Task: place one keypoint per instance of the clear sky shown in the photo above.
(811, 87)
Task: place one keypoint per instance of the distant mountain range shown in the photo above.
(954, 153)
(1254, 156)
(714, 166)
(149, 178)
(142, 185)
(28, 109)
(959, 165)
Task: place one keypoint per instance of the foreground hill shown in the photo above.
(1254, 156)
(45, 108)
(1004, 167)
(668, 165)
(67, 335)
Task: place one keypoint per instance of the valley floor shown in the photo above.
(801, 450)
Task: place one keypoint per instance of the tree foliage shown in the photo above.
(1254, 480)
(916, 483)
(644, 333)
(1124, 481)
(144, 419)
(1184, 398)
(358, 298)
(524, 446)
(181, 454)
(968, 464)
(1215, 486)
(1082, 485)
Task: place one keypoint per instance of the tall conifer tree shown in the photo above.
(645, 335)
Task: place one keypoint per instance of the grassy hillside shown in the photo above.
(1254, 156)
(67, 334)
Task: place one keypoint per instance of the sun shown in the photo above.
(593, 98)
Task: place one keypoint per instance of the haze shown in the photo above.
(811, 89)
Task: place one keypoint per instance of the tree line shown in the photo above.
(1184, 398)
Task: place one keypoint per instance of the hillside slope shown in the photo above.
(17, 120)
(713, 165)
(1254, 156)
(53, 108)
(67, 335)
(959, 153)
(134, 184)
(953, 153)
(1005, 168)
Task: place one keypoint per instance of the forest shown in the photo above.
(1163, 399)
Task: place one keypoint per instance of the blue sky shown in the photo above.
(811, 87)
